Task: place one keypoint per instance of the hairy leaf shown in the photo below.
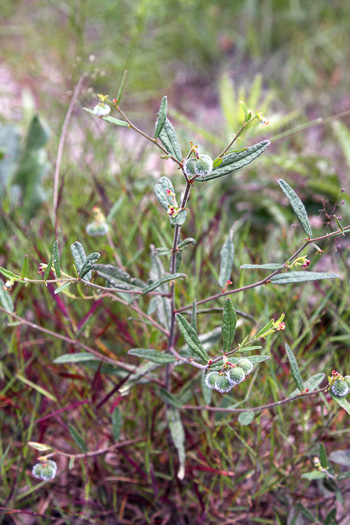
(342, 402)
(226, 254)
(315, 474)
(161, 116)
(191, 337)
(169, 399)
(301, 277)
(117, 278)
(117, 423)
(79, 257)
(89, 261)
(48, 269)
(297, 205)
(178, 436)
(77, 438)
(152, 355)
(161, 281)
(235, 161)
(245, 418)
(270, 266)
(160, 189)
(170, 141)
(75, 358)
(25, 267)
(229, 321)
(181, 217)
(63, 286)
(311, 384)
(56, 259)
(294, 368)
(116, 121)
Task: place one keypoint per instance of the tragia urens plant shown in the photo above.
(222, 369)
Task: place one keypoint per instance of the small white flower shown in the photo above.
(102, 110)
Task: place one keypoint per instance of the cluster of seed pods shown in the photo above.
(225, 380)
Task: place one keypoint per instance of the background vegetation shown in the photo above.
(288, 59)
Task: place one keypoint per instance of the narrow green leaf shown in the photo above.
(77, 438)
(245, 110)
(161, 117)
(265, 328)
(323, 456)
(270, 266)
(75, 358)
(121, 87)
(41, 447)
(186, 243)
(342, 402)
(63, 286)
(229, 321)
(191, 337)
(162, 251)
(294, 368)
(315, 474)
(226, 254)
(178, 436)
(117, 423)
(162, 304)
(245, 418)
(160, 189)
(79, 257)
(235, 161)
(89, 261)
(152, 355)
(194, 315)
(168, 398)
(112, 120)
(25, 267)
(257, 358)
(8, 274)
(161, 281)
(117, 278)
(343, 475)
(5, 298)
(311, 384)
(56, 259)
(170, 141)
(301, 277)
(181, 217)
(71, 463)
(48, 269)
(116, 121)
(297, 205)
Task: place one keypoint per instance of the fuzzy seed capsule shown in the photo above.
(97, 229)
(340, 388)
(45, 470)
(223, 384)
(198, 167)
(236, 375)
(210, 379)
(246, 365)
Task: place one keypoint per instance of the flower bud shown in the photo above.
(223, 384)
(210, 379)
(236, 375)
(340, 388)
(246, 365)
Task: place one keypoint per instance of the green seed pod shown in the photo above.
(45, 470)
(97, 229)
(340, 388)
(210, 379)
(189, 167)
(36, 471)
(246, 365)
(236, 375)
(223, 384)
(347, 379)
(203, 166)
